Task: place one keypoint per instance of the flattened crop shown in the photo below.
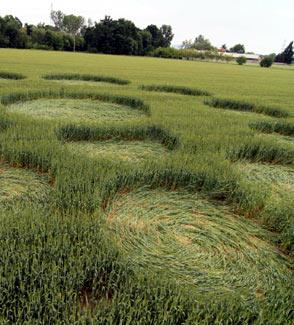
(127, 151)
(195, 242)
(75, 110)
(20, 185)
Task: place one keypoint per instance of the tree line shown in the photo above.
(201, 43)
(110, 36)
(71, 33)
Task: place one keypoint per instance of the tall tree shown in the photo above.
(116, 37)
(57, 18)
(238, 48)
(167, 35)
(100, 37)
(73, 24)
(157, 37)
(187, 44)
(69, 32)
(286, 56)
(146, 42)
(12, 34)
(200, 44)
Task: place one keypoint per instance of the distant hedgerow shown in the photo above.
(176, 89)
(245, 106)
(132, 133)
(11, 75)
(85, 77)
(271, 127)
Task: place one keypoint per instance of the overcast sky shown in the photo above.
(264, 26)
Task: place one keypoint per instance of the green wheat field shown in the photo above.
(138, 190)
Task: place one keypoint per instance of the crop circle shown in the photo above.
(195, 242)
(75, 110)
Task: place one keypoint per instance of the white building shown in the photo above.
(254, 58)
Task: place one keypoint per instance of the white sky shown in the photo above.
(264, 26)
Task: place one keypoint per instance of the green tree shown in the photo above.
(266, 61)
(238, 48)
(187, 44)
(54, 40)
(116, 37)
(200, 43)
(273, 56)
(38, 35)
(287, 55)
(241, 60)
(4, 40)
(58, 19)
(11, 33)
(167, 35)
(157, 37)
(146, 42)
(72, 25)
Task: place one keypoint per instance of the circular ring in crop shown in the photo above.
(196, 243)
(18, 185)
(85, 77)
(75, 110)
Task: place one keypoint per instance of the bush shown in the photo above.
(189, 54)
(241, 60)
(266, 62)
(167, 53)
